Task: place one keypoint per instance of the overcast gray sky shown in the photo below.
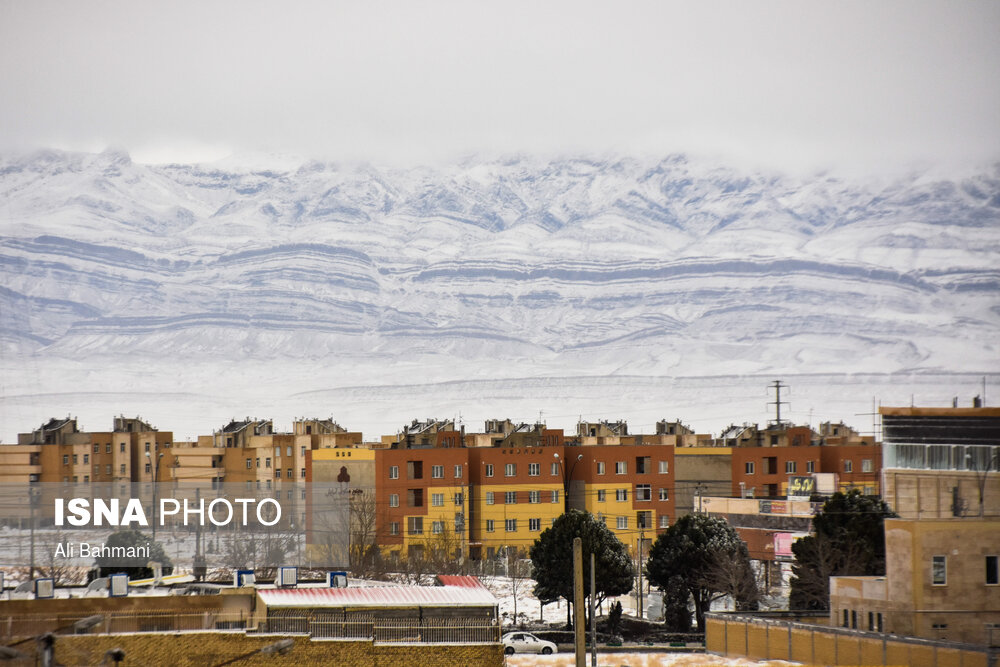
(788, 83)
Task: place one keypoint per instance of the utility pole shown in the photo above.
(777, 402)
(579, 627)
(593, 616)
(642, 534)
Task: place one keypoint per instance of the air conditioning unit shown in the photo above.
(45, 588)
(288, 577)
(118, 585)
(336, 579)
(244, 578)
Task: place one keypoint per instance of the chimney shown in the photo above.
(977, 402)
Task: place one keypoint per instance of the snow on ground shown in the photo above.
(640, 660)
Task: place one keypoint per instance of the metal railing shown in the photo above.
(381, 630)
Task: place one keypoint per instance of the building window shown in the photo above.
(534, 469)
(97, 447)
(122, 469)
(534, 524)
(510, 497)
(258, 461)
(107, 469)
(288, 450)
(277, 473)
(437, 472)
(664, 521)
(302, 451)
(414, 469)
(621, 495)
(76, 459)
(664, 494)
(510, 525)
(992, 573)
(489, 469)
(121, 447)
(600, 467)
(415, 497)
(664, 467)
(489, 497)
(620, 468)
(555, 495)
(393, 472)
(437, 527)
(249, 464)
(267, 462)
(848, 466)
(553, 468)
(846, 616)
(415, 525)
(147, 446)
(510, 470)
(748, 467)
(644, 519)
(65, 459)
(866, 465)
(437, 500)
(458, 471)
(643, 492)
(489, 525)
(107, 448)
(288, 473)
(623, 523)
(643, 465)
(86, 458)
(810, 466)
(459, 498)
(534, 497)
(939, 570)
(394, 528)
(790, 466)
(302, 473)
(602, 495)
(148, 468)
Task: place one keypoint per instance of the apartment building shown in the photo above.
(628, 487)
(762, 465)
(58, 451)
(942, 574)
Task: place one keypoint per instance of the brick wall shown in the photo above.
(202, 649)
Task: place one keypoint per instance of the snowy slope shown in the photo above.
(488, 269)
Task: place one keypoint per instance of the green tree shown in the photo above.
(695, 559)
(552, 559)
(849, 539)
(133, 538)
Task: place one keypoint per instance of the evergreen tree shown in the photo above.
(849, 540)
(552, 559)
(700, 558)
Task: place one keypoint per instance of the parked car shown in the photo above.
(525, 642)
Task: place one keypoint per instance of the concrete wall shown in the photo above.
(776, 639)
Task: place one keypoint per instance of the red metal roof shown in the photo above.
(463, 581)
(382, 596)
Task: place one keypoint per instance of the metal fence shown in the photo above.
(318, 624)
(382, 630)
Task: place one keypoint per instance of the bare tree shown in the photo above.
(733, 577)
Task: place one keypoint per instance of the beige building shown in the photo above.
(941, 583)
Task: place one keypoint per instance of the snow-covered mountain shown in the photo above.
(493, 269)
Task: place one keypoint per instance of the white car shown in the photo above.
(525, 642)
